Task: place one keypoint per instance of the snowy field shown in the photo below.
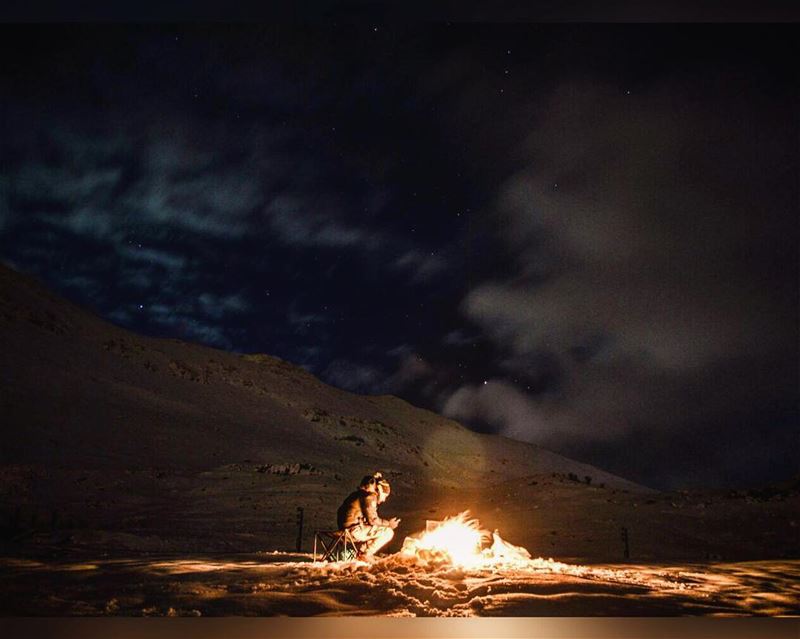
(452, 568)
(284, 584)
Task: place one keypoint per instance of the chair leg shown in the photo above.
(326, 549)
(332, 543)
(331, 549)
(348, 539)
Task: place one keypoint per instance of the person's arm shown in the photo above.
(371, 511)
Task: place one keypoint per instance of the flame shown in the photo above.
(459, 541)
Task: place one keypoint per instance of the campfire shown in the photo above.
(460, 541)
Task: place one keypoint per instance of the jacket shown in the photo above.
(359, 507)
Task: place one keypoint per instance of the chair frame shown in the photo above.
(331, 541)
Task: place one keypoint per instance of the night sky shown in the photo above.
(582, 236)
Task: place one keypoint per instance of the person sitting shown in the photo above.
(359, 514)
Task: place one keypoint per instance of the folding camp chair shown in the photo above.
(336, 545)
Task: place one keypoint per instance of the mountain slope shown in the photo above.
(83, 390)
(121, 442)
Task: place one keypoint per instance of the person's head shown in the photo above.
(375, 483)
(369, 484)
(383, 489)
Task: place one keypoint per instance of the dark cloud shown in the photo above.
(189, 326)
(306, 223)
(458, 338)
(650, 233)
(354, 377)
(182, 166)
(165, 259)
(218, 306)
(422, 266)
(411, 370)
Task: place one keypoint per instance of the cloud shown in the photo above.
(136, 278)
(647, 249)
(186, 183)
(179, 179)
(352, 376)
(103, 183)
(218, 306)
(87, 285)
(643, 236)
(509, 411)
(458, 338)
(85, 221)
(169, 260)
(298, 221)
(81, 192)
(59, 184)
(208, 334)
(121, 316)
(307, 356)
(412, 369)
(422, 265)
(306, 323)
(188, 326)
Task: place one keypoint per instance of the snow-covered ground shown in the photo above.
(291, 584)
